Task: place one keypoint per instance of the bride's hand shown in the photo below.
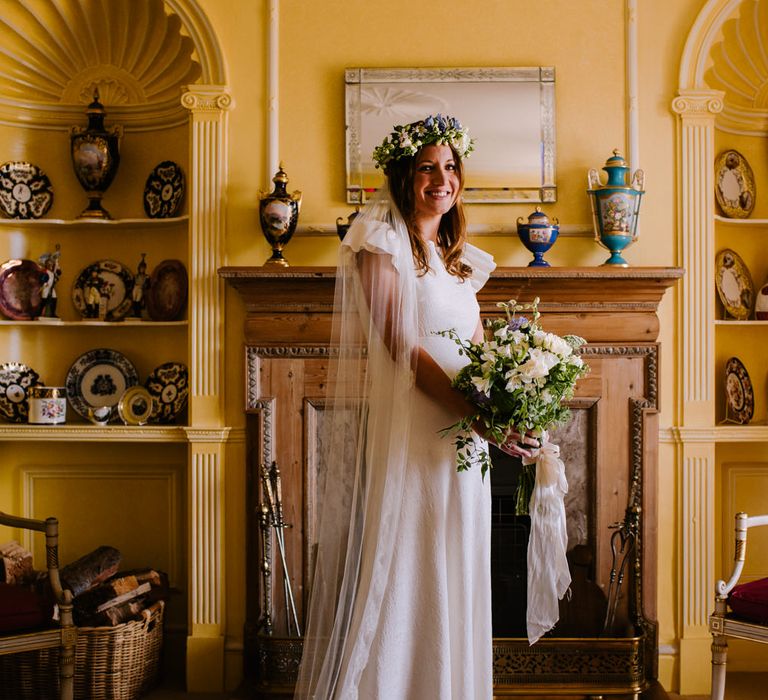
(513, 443)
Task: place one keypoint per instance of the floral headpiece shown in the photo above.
(405, 141)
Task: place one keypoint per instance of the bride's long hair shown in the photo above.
(452, 233)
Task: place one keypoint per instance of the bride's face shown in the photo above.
(435, 182)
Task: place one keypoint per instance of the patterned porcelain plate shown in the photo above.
(99, 378)
(734, 185)
(135, 406)
(734, 284)
(15, 381)
(167, 294)
(103, 287)
(164, 191)
(168, 385)
(21, 289)
(738, 392)
(25, 191)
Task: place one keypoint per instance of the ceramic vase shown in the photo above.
(343, 226)
(95, 157)
(538, 234)
(615, 207)
(278, 216)
(761, 303)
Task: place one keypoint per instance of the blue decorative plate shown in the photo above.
(168, 385)
(99, 378)
(25, 191)
(102, 291)
(15, 381)
(164, 191)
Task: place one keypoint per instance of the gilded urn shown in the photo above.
(538, 234)
(278, 216)
(615, 206)
(95, 157)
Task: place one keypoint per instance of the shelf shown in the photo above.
(92, 223)
(84, 432)
(721, 322)
(741, 433)
(756, 432)
(741, 222)
(102, 324)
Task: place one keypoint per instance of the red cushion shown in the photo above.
(22, 609)
(750, 601)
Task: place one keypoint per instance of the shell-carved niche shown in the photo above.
(739, 67)
(55, 52)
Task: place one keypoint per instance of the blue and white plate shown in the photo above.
(99, 378)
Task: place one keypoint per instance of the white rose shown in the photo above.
(556, 344)
(538, 365)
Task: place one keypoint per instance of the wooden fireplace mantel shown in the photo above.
(286, 335)
(612, 304)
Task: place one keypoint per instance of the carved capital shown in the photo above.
(207, 98)
(698, 103)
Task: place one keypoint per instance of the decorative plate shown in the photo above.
(15, 381)
(99, 378)
(25, 191)
(164, 191)
(734, 185)
(738, 392)
(21, 286)
(168, 385)
(103, 290)
(135, 406)
(734, 284)
(167, 293)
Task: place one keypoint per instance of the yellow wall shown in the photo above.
(584, 41)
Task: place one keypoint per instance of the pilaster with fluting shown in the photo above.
(696, 110)
(207, 105)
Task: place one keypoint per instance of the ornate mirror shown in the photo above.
(510, 113)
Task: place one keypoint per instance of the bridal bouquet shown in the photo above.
(517, 379)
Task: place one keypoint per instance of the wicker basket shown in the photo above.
(111, 663)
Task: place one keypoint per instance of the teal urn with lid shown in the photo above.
(615, 206)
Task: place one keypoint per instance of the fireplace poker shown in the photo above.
(266, 569)
(622, 547)
(274, 498)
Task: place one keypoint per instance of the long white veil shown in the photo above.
(365, 439)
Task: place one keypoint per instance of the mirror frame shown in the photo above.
(503, 80)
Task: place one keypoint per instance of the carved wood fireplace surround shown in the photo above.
(610, 450)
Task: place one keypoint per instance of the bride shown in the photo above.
(400, 605)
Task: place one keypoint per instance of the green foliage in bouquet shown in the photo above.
(517, 378)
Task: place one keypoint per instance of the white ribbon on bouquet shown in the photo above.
(548, 574)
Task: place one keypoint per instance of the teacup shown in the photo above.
(100, 415)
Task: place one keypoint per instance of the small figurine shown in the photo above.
(140, 284)
(49, 278)
(93, 292)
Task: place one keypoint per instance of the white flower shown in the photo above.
(483, 385)
(461, 143)
(515, 381)
(538, 365)
(546, 396)
(501, 334)
(576, 361)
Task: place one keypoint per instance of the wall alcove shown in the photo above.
(160, 74)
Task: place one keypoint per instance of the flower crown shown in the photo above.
(405, 141)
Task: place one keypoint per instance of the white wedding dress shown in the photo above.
(433, 640)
